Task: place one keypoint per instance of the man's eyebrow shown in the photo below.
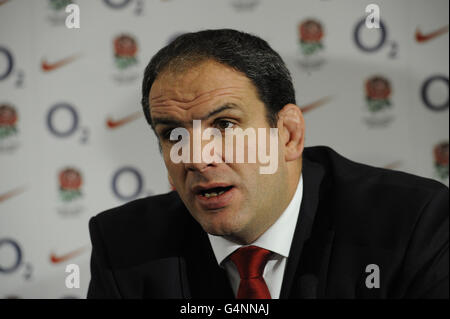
(166, 121)
(222, 108)
(173, 122)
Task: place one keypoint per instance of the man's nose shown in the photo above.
(197, 162)
(198, 167)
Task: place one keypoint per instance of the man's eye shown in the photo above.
(223, 124)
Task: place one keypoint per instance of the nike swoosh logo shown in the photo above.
(421, 38)
(47, 67)
(57, 259)
(313, 105)
(11, 193)
(112, 124)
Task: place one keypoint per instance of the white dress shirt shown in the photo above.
(277, 238)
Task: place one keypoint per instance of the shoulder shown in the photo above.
(370, 201)
(348, 174)
(126, 232)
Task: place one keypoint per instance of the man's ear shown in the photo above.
(172, 186)
(291, 126)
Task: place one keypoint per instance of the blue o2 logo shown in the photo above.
(5, 68)
(11, 255)
(72, 122)
(127, 183)
(425, 93)
(383, 40)
(63, 121)
(362, 46)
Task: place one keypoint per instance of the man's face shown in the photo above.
(222, 98)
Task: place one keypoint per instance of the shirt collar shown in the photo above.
(277, 238)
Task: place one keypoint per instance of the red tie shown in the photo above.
(250, 262)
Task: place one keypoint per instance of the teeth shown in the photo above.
(213, 194)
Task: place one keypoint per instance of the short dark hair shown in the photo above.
(242, 51)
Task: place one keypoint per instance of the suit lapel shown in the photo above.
(205, 278)
(305, 286)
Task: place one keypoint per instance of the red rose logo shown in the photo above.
(125, 46)
(310, 31)
(378, 88)
(8, 115)
(70, 179)
(441, 154)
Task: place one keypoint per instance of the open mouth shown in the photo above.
(214, 192)
(215, 196)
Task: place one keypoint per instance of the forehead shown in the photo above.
(206, 81)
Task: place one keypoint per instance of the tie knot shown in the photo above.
(250, 261)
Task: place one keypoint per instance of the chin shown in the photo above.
(222, 226)
(218, 230)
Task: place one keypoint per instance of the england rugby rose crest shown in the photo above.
(125, 49)
(70, 182)
(378, 93)
(440, 153)
(310, 34)
(8, 120)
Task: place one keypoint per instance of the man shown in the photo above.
(320, 226)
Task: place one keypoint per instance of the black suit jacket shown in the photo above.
(351, 216)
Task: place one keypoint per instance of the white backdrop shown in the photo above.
(61, 163)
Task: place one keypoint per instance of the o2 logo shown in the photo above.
(425, 93)
(7, 67)
(382, 41)
(127, 183)
(121, 4)
(12, 258)
(68, 122)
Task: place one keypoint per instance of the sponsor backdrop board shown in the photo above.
(74, 142)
